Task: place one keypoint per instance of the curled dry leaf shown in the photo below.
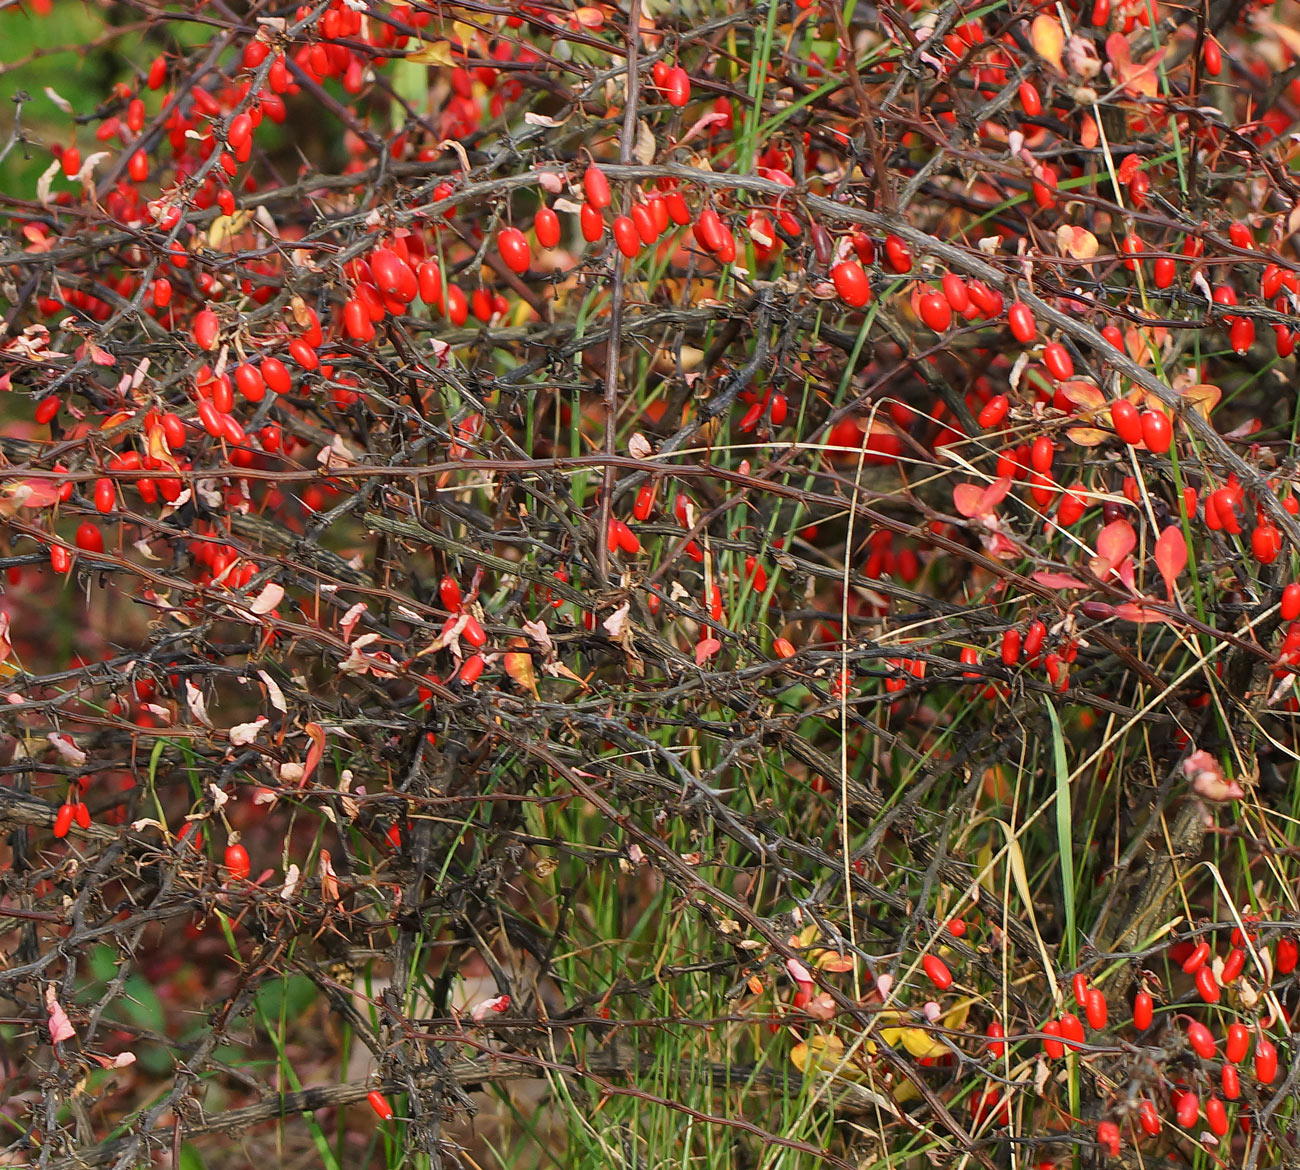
(1208, 778)
(488, 1007)
(1077, 242)
(60, 1026)
(62, 743)
(348, 622)
(270, 596)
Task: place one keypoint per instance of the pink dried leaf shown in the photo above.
(1208, 779)
(60, 1026)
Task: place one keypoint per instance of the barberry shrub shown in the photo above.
(627, 584)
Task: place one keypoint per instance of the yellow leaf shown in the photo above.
(1203, 398)
(818, 1054)
(519, 666)
(955, 1017)
(1086, 436)
(826, 960)
(922, 1044)
(225, 227)
(438, 53)
(805, 937)
(1048, 39)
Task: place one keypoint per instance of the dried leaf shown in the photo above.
(60, 1026)
(68, 750)
(1077, 242)
(348, 622)
(643, 150)
(273, 693)
(197, 704)
(271, 596)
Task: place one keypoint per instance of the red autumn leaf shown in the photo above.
(1114, 543)
(1171, 555)
(975, 502)
(1060, 581)
(1140, 80)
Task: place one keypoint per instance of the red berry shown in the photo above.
(1238, 1043)
(1072, 1030)
(1266, 543)
(1230, 1079)
(1216, 1116)
(514, 249)
(1096, 1009)
(237, 862)
(1010, 647)
(677, 87)
(1124, 418)
(592, 223)
(1213, 57)
(105, 495)
(627, 237)
(1108, 1138)
(1058, 361)
(1187, 1108)
(995, 410)
(1288, 953)
(851, 283)
(1165, 270)
(1149, 1117)
(206, 327)
(88, 538)
(379, 1103)
(1079, 985)
(1207, 986)
(1201, 1039)
(596, 186)
(937, 972)
(995, 1032)
(1021, 320)
(1232, 966)
(783, 648)
(934, 311)
(1265, 1061)
(954, 288)
(250, 382)
(1157, 432)
(63, 820)
(276, 375)
(1030, 102)
(546, 226)
(1053, 1047)
(898, 256)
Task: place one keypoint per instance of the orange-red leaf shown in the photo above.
(1171, 555)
